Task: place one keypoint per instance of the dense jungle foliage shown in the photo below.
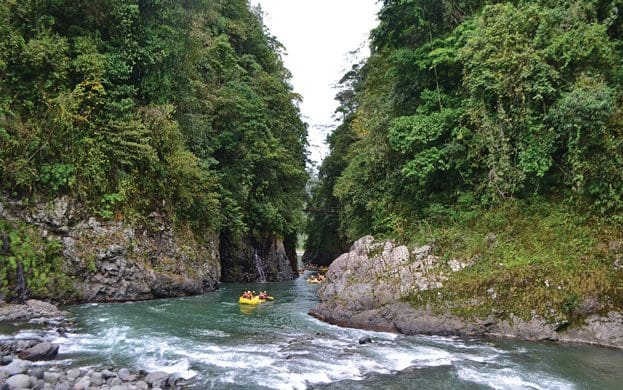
(136, 106)
(468, 106)
(139, 105)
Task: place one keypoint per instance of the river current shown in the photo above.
(217, 343)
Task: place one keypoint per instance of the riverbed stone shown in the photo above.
(41, 351)
(157, 379)
(5, 360)
(82, 383)
(51, 377)
(125, 375)
(21, 345)
(119, 387)
(141, 385)
(107, 374)
(62, 386)
(74, 374)
(97, 379)
(31, 310)
(16, 367)
(19, 381)
(114, 381)
(37, 372)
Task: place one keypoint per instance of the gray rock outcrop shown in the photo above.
(114, 261)
(369, 288)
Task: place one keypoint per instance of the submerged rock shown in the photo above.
(41, 351)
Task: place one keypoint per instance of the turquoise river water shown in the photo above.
(217, 343)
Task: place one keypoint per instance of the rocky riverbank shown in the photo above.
(22, 374)
(33, 312)
(370, 286)
(28, 361)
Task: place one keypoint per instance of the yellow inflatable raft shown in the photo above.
(253, 301)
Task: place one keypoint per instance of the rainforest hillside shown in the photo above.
(467, 105)
(138, 106)
(494, 131)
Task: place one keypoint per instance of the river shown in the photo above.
(217, 343)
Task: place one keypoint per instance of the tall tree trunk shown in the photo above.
(20, 285)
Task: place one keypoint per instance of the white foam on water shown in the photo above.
(479, 358)
(295, 358)
(230, 359)
(181, 367)
(295, 381)
(508, 378)
(300, 372)
(228, 377)
(350, 333)
(73, 343)
(54, 363)
(210, 333)
(399, 359)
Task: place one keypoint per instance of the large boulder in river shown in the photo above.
(370, 287)
(373, 275)
(41, 351)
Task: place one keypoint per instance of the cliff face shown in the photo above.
(370, 287)
(252, 260)
(116, 261)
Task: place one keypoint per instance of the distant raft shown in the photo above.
(316, 279)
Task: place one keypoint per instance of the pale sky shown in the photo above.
(318, 36)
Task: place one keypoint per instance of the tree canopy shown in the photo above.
(471, 103)
(136, 105)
